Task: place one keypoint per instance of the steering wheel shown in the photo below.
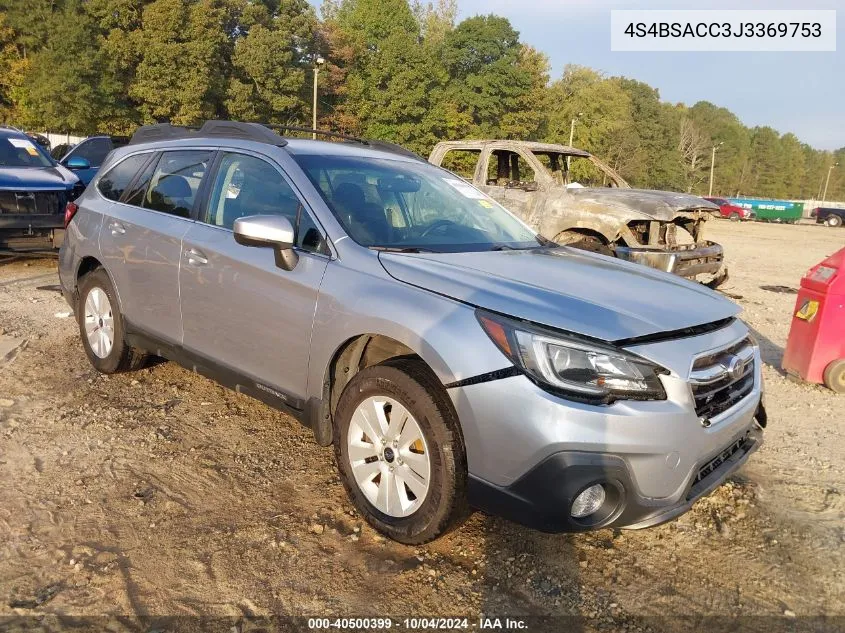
(437, 224)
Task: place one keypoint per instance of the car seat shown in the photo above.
(174, 195)
(366, 221)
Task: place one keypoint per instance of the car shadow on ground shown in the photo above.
(532, 576)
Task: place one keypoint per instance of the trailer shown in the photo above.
(766, 210)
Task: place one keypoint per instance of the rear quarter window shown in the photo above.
(114, 182)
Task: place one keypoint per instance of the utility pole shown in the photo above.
(319, 61)
(712, 165)
(827, 181)
(572, 135)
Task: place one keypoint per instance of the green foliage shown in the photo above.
(491, 77)
(399, 70)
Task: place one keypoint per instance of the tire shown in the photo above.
(833, 220)
(734, 217)
(389, 470)
(96, 309)
(834, 376)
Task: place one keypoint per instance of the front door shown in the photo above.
(511, 180)
(239, 309)
(141, 240)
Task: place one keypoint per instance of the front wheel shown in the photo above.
(400, 451)
(735, 217)
(834, 220)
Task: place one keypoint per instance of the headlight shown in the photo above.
(577, 368)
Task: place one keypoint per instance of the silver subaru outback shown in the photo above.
(454, 358)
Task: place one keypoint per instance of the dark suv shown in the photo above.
(34, 190)
(829, 216)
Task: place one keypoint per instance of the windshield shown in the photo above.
(577, 171)
(21, 152)
(395, 204)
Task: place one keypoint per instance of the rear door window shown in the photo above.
(175, 182)
(117, 179)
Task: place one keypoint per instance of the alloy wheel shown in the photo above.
(99, 322)
(389, 456)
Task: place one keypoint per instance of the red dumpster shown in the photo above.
(815, 350)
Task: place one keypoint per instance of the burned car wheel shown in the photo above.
(584, 242)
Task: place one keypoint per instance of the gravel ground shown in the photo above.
(159, 493)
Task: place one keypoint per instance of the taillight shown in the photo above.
(70, 210)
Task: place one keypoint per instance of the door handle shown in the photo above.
(117, 228)
(195, 257)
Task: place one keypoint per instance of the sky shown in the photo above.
(798, 92)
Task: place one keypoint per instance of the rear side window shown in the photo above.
(114, 182)
(176, 181)
(93, 150)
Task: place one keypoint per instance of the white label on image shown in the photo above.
(735, 30)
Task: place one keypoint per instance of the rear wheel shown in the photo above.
(834, 376)
(101, 326)
(400, 452)
(833, 220)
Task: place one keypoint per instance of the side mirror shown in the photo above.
(77, 162)
(269, 231)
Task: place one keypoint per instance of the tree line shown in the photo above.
(394, 70)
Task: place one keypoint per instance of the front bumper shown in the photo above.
(530, 453)
(687, 260)
(541, 499)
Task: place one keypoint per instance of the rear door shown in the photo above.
(141, 239)
(238, 308)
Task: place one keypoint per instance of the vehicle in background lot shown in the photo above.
(40, 139)
(766, 210)
(85, 157)
(828, 215)
(731, 211)
(34, 191)
(452, 355)
(571, 197)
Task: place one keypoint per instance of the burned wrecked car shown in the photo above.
(571, 197)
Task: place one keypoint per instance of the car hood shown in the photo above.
(56, 177)
(565, 288)
(657, 205)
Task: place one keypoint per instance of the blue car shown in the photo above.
(85, 157)
(34, 190)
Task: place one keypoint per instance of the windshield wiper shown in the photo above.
(402, 249)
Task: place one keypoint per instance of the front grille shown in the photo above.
(33, 202)
(722, 379)
(713, 465)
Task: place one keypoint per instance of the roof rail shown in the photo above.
(228, 129)
(262, 132)
(384, 146)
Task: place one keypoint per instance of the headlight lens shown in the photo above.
(579, 369)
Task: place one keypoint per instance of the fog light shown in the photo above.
(588, 501)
